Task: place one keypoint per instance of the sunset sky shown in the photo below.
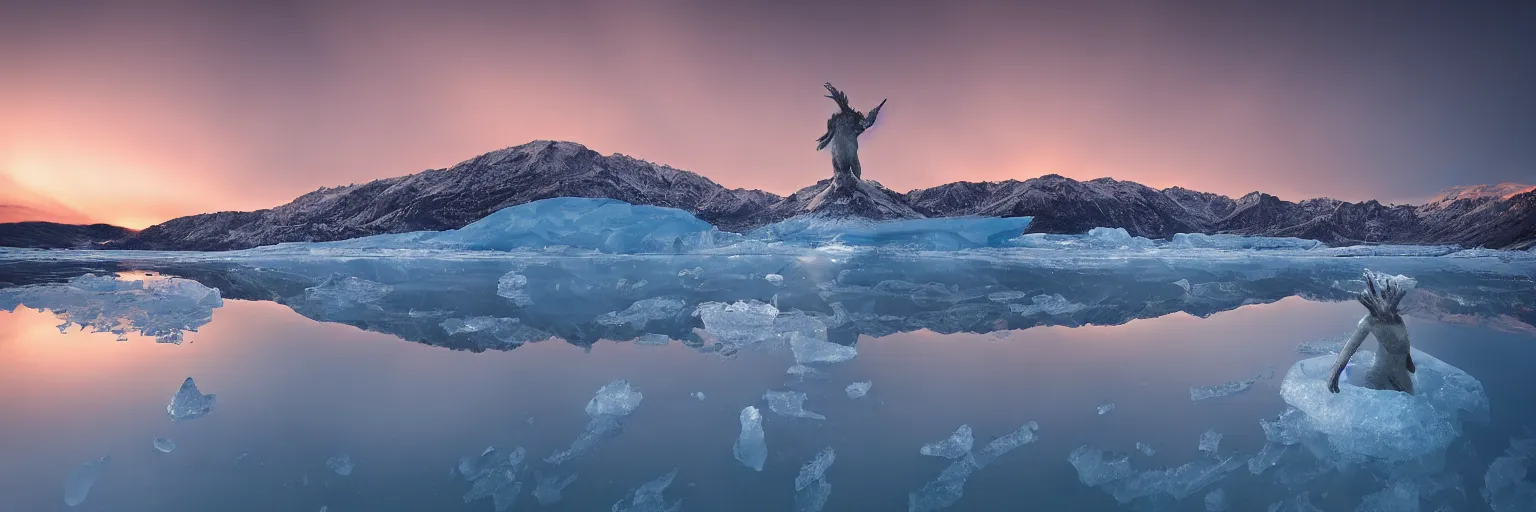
(135, 112)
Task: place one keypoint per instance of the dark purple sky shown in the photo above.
(136, 112)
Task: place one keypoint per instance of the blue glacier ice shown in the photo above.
(605, 225)
(943, 234)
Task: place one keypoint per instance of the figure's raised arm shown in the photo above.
(1361, 331)
(826, 138)
(869, 120)
(839, 97)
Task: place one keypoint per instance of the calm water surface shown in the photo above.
(300, 380)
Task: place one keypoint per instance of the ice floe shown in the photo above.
(649, 497)
(858, 389)
(956, 445)
(189, 404)
(607, 409)
(750, 448)
(789, 403)
(811, 487)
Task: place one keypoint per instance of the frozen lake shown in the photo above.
(408, 365)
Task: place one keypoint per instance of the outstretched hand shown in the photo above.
(1333, 385)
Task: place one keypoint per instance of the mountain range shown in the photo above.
(1493, 216)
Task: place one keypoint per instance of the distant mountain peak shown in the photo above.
(1500, 191)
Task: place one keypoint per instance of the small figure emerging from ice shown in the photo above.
(1393, 362)
(843, 130)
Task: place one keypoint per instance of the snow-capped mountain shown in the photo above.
(454, 197)
(1496, 216)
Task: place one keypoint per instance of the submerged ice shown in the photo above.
(649, 497)
(607, 409)
(341, 463)
(789, 403)
(78, 485)
(750, 447)
(811, 487)
(956, 445)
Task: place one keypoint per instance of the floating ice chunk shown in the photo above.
(811, 487)
(78, 485)
(164, 444)
(343, 292)
(240, 459)
(1216, 501)
(1007, 443)
(550, 489)
(1145, 449)
(1104, 408)
(1209, 441)
(1223, 389)
(695, 272)
(1506, 486)
(789, 403)
(858, 389)
(1095, 467)
(738, 323)
(958, 444)
(1386, 425)
(946, 490)
(189, 404)
(816, 469)
(774, 278)
(649, 497)
(698, 394)
(644, 311)
(1053, 304)
(341, 464)
(608, 407)
(617, 398)
(512, 286)
(750, 447)
(810, 350)
(494, 476)
(1006, 296)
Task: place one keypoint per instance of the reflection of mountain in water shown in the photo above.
(500, 304)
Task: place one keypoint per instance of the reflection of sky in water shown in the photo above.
(293, 392)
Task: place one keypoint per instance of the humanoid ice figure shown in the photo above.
(1382, 320)
(843, 130)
